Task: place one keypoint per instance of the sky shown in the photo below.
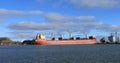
(23, 19)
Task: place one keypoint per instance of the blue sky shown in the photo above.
(23, 19)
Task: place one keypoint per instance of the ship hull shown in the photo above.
(64, 42)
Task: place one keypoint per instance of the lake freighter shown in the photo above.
(40, 39)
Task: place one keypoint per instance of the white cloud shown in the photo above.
(86, 18)
(72, 26)
(57, 17)
(110, 28)
(29, 26)
(95, 3)
(82, 3)
(57, 21)
(6, 12)
(16, 12)
(35, 12)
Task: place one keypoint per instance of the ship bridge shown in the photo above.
(41, 36)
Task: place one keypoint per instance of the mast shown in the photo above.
(70, 35)
(37, 36)
(86, 35)
(60, 36)
(52, 36)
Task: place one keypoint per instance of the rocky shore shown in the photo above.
(8, 41)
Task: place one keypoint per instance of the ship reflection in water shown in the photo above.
(60, 54)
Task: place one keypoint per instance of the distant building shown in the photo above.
(113, 38)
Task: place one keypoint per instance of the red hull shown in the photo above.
(64, 42)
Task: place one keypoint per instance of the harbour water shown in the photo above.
(60, 54)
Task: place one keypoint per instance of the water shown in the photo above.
(60, 54)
